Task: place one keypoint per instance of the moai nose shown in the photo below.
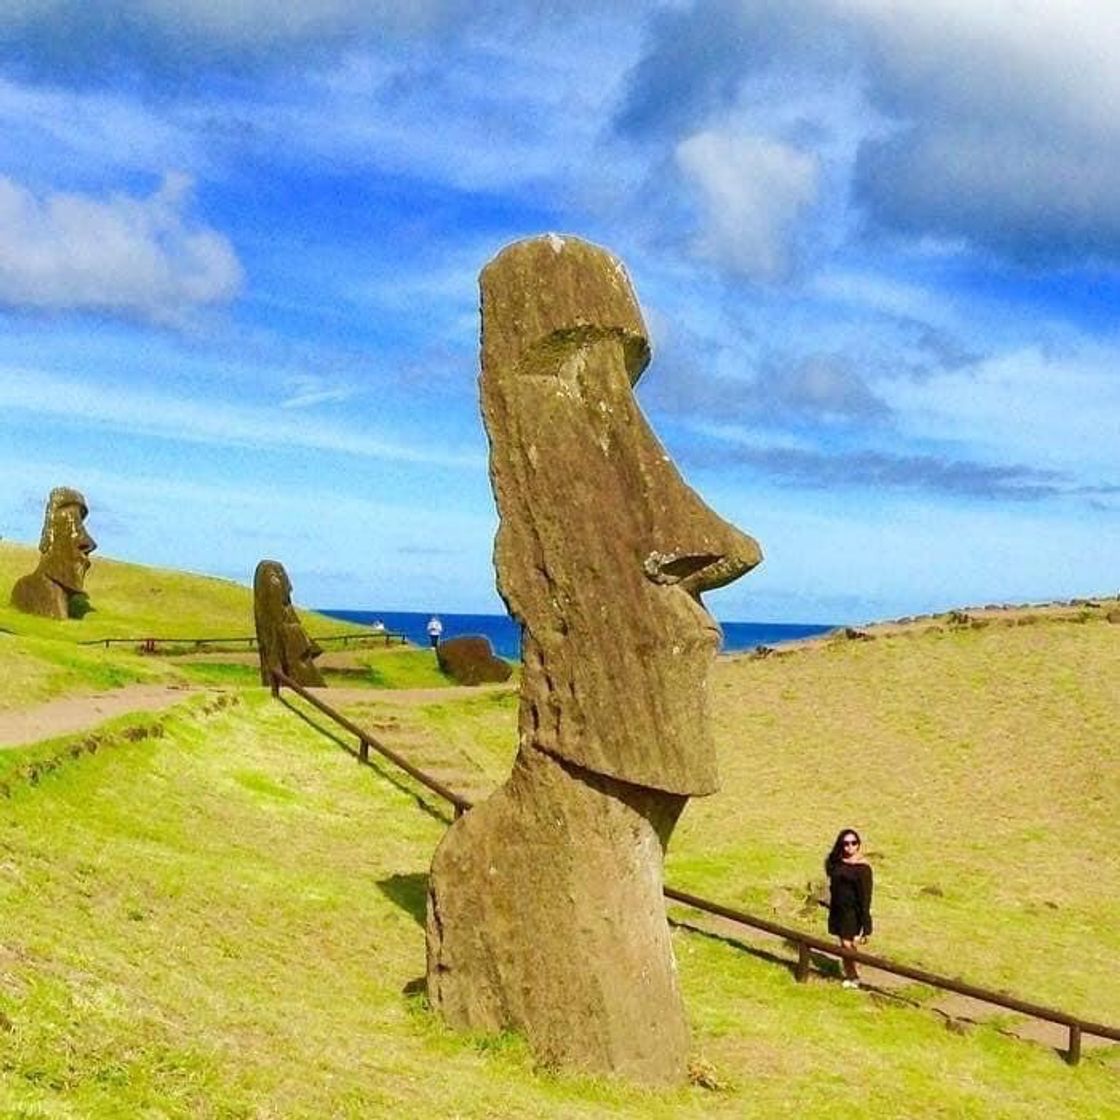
(703, 553)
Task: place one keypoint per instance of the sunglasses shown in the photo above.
(851, 843)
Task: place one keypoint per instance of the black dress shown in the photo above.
(849, 906)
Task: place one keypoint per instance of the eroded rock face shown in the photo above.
(545, 911)
(55, 588)
(281, 641)
(470, 660)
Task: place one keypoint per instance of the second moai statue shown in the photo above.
(281, 641)
(545, 905)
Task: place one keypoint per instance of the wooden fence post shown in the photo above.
(801, 972)
(1073, 1054)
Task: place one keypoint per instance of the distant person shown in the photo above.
(849, 905)
(435, 630)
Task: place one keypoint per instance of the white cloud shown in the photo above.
(135, 257)
(196, 28)
(884, 295)
(308, 390)
(752, 192)
(1053, 412)
(206, 421)
(991, 124)
(62, 130)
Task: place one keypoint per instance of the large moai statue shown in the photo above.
(281, 640)
(545, 905)
(56, 586)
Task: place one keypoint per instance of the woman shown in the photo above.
(849, 906)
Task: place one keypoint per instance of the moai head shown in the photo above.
(602, 549)
(55, 587)
(64, 542)
(281, 640)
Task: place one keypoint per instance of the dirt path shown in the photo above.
(80, 713)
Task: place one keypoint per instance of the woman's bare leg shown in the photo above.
(849, 966)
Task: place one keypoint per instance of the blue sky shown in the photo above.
(876, 241)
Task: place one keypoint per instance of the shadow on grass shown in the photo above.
(821, 963)
(331, 731)
(79, 605)
(409, 892)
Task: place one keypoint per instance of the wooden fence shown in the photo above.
(151, 645)
(805, 942)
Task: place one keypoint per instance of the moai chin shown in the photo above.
(545, 905)
(281, 641)
(54, 589)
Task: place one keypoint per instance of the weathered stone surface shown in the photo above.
(470, 660)
(55, 588)
(281, 641)
(545, 909)
(546, 915)
(1113, 616)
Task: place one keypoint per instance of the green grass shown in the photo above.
(213, 913)
(134, 601)
(220, 922)
(36, 669)
(43, 658)
(401, 668)
(981, 766)
(982, 763)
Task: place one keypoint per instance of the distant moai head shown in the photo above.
(281, 641)
(64, 542)
(602, 549)
(55, 588)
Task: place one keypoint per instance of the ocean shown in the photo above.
(505, 634)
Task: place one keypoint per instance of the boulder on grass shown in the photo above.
(471, 660)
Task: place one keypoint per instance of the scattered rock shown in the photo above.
(1113, 616)
(471, 660)
(704, 1075)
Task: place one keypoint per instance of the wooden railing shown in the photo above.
(805, 942)
(151, 645)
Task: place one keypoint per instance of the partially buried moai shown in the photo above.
(545, 905)
(56, 588)
(281, 640)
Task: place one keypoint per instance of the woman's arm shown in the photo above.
(864, 881)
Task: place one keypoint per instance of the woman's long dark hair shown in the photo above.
(837, 853)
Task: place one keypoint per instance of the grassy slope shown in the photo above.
(221, 923)
(981, 766)
(133, 601)
(183, 934)
(42, 657)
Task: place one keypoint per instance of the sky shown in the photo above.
(876, 242)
